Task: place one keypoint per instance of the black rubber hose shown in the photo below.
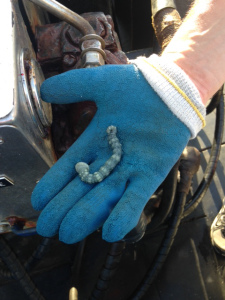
(164, 248)
(38, 254)
(215, 101)
(212, 164)
(75, 269)
(137, 233)
(168, 197)
(18, 271)
(108, 271)
(32, 261)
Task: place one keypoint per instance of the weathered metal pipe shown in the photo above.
(165, 20)
(92, 53)
(65, 14)
(157, 5)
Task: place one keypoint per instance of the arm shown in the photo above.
(198, 47)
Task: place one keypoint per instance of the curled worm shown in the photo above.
(83, 169)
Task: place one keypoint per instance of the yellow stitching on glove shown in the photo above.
(179, 91)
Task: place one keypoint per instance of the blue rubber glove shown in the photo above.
(152, 139)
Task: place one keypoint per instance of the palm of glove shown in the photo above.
(152, 140)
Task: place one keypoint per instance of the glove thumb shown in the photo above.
(73, 86)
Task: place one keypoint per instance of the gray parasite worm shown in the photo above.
(83, 169)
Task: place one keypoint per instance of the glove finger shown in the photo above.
(91, 211)
(73, 86)
(63, 171)
(126, 213)
(52, 215)
(93, 84)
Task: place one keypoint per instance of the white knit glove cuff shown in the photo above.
(176, 89)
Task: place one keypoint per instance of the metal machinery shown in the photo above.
(26, 145)
(39, 45)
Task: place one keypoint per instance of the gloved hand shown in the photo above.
(152, 139)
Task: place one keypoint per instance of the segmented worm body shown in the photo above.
(83, 169)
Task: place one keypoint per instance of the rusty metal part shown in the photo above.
(19, 224)
(165, 23)
(65, 14)
(59, 50)
(93, 55)
(92, 37)
(36, 15)
(16, 221)
(59, 44)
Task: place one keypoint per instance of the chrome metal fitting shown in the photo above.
(92, 54)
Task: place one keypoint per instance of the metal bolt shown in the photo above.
(92, 54)
(69, 60)
(1, 141)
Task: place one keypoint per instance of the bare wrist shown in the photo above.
(198, 47)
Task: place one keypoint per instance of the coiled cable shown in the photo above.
(32, 261)
(108, 271)
(211, 166)
(18, 271)
(167, 201)
(164, 248)
(215, 101)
